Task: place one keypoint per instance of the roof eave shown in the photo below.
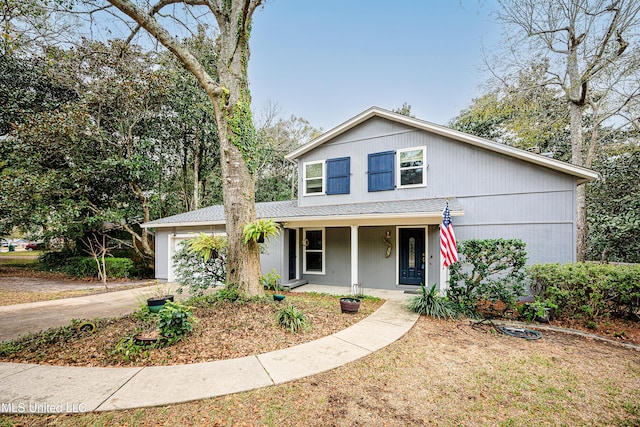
(325, 218)
(180, 224)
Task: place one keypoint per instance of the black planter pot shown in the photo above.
(278, 297)
(155, 304)
(349, 305)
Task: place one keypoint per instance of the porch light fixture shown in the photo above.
(388, 235)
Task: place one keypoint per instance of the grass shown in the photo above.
(26, 254)
(10, 297)
(442, 373)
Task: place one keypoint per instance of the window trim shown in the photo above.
(399, 169)
(304, 178)
(322, 251)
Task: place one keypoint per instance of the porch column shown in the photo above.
(354, 257)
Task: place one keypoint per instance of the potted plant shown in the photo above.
(259, 230)
(349, 305)
(157, 301)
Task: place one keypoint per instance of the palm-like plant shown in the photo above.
(430, 303)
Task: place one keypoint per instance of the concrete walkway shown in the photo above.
(27, 388)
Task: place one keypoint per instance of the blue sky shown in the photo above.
(328, 60)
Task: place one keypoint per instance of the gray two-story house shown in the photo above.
(370, 198)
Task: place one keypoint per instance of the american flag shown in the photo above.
(448, 248)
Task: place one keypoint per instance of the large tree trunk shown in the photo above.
(231, 101)
(237, 144)
(576, 96)
(581, 193)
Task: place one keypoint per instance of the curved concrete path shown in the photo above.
(28, 388)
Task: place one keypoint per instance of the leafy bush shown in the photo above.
(292, 318)
(587, 290)
(488, 270)
(228, 293)
(536, 310)
(199, 275)
(614, 205)
(430, 303)
(175, 320)
(55, 261)
(86, 267)
(270, 281)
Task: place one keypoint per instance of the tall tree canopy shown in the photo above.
(592, 50)
(228, 92)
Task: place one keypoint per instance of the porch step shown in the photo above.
(295, 284)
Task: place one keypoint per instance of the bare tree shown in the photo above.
(593, 52)
(229, 94)
(98, 249)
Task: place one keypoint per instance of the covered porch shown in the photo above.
(378, 250)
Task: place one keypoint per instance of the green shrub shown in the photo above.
(488, 270)
(228, 293)
(588, 290)
(430, 303)
(292, 318)
(175, 320)
(536, 310)
(55, 261)
(271, 280)
(86, 267)
(193, 271)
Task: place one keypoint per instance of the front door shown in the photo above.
(293, 241)
(412, 256)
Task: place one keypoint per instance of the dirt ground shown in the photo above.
(223, 330)
(441, 373)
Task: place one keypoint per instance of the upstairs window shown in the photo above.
(338, 175)
(381, 171)
(411, 167)
(313, 178)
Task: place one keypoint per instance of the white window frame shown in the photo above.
(399, 169)
(322, 251)
(304, 178)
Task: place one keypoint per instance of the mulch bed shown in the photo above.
(224, 330)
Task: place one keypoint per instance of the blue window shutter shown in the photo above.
(338, 175)
(381, 171)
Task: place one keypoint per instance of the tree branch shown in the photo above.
(149, 23)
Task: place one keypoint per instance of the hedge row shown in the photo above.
(589, 291)
(86, 267)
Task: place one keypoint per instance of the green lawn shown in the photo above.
(19, 258)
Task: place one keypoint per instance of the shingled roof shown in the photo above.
(290, 211)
